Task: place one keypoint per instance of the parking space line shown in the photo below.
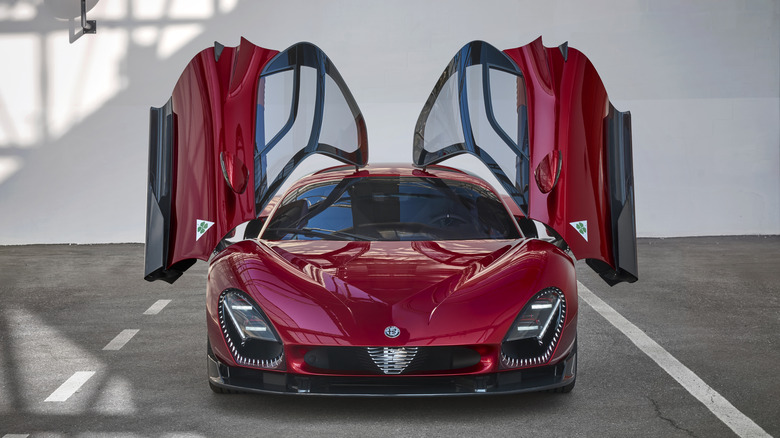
(157, 307)
(716, 403)
(70, 386)
(121, 339)
(15, 435)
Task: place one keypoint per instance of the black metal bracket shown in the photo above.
(87, 26)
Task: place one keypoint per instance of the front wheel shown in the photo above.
(572, 369)
(565, 389)
(216, 389)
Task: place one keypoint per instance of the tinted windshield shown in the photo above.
(391, 208)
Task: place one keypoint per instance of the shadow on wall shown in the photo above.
(74, 116)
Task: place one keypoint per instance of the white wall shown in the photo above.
(701, 78)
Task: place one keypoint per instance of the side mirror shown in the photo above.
(291, 215)
(527, 226)
(253, 228)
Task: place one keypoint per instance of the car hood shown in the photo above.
(390, 272)
(436, 293)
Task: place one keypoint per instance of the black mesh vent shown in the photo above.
(428, 360)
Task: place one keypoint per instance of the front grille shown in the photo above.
(391, 360)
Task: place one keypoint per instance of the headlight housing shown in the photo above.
(533, 336)
(248, 332)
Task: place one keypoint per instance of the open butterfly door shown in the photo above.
(240, 119)
(539, 118)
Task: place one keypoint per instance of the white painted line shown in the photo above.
(121, 339)
(70, 386)
(157, 307)
(15, 435)
(716, 403)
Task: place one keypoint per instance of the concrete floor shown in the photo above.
(713, 303)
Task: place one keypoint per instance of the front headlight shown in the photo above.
(533, 336)
(248, 332)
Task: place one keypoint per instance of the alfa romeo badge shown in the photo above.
(392, 331)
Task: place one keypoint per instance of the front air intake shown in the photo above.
(392, 360)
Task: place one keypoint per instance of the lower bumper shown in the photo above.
(525, 380)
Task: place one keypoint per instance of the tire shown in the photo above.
(567, 389)
(564, 389)
(217, 390)
(214, 388)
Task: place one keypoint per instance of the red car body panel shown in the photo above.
(578, 170)
(568, 104)
(210, 172)
(212, 124)
(210, 101)
(204, 160)
(334, 293)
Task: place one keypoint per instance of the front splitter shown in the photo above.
(515, 381)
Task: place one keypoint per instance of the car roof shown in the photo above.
(337, 173)
(391, 169)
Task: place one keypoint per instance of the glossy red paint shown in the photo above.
(567, 105)
(449, 294)
(336, 293)
(213, 106)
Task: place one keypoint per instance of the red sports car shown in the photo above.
(393, 279)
